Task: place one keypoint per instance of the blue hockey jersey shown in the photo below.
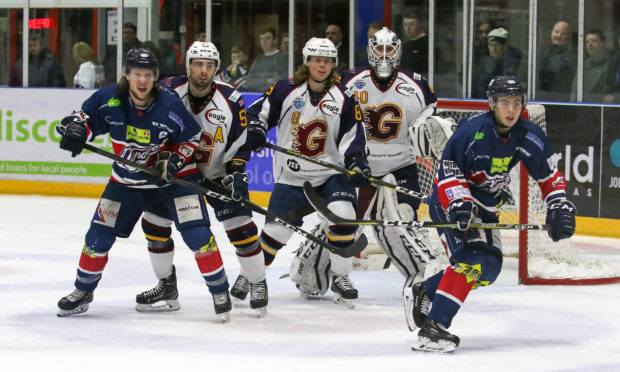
(476, 163)
(139, 134)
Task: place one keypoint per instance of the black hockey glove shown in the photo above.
(237, 183)
(461, 212)
(358, 164)
(561, 219)
(256, 138)
(74, 132)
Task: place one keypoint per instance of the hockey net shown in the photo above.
(541, 261)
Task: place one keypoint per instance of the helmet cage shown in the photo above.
(380, 46)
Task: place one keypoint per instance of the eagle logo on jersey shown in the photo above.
(329, 108)
(309, 139)
(406, 89)
(383, 122)
(215, 116)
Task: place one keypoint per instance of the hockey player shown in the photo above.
(393, 102)
(221, 156)
(475, 166)
(145, 123)
(317, 116)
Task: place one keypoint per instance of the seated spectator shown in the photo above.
(90, 73)
(236, 72)
(481, 49)
(130, 40)
(415, 44)
(361, 54)
(334, 34)
(43, 68)
(284, 44)
(502, 60)
(598, 70)
(268, 67)
(556, 65)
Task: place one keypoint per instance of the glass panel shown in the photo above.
(448, 78)
(413, 25)
(10, 46)
(601, 67)
(556, 63)
(369, 20)
(507, 42)
(313, 18)
(251, 31)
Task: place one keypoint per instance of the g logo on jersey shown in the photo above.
(309, 139)
(406, 89)
(204, 152)
(293, 165)
(329, 107)
(215, 116)
(382, 123)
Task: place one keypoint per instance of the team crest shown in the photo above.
(359, 84)
(298, 103)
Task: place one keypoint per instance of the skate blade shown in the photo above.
(338, 299)
(160, 306)
(223, 318)
(408, 304)
(78, 310)
(426, 345)
(261, 312)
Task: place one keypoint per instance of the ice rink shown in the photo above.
(505, 327)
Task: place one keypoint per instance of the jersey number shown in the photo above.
(362, 96)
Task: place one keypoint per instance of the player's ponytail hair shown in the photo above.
(303, 73)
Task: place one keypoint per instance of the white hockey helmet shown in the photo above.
(321, 47)
(202, 49)
(384, 52)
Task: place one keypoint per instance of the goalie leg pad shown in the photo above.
(311, 264)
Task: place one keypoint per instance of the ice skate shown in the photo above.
(417, 304)
(222, 306)
(163, 297)
(344, 292)
(433, 337)
(240, 289)
(74, 303)
(259, 297)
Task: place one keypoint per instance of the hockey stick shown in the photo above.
(319, 204)
(341, 169)
(349, 251)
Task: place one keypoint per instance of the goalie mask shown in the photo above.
(202, 49)
(505, 86)
(384, 52)
(320, 47)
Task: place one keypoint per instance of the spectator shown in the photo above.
(90, 73)
(481, 49)
(502, 60)
(334, 33)
(201, 36)
(236, 72)
(284, 44)
(415, 49)
(361, 55)
(269, 67)
(43, 68)
(616, 84)
(130, 40)
(556, 65)
(598, 70)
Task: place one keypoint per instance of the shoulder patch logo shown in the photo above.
(114, 102)
(534, 138)
(359, 84)
(234, 96)
(348, 92)
(406, 89)
(176, 118)
(329, 107)
(298, 103)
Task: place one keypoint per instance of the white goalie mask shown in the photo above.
(321, 47)
(384, 52)
(202, 49)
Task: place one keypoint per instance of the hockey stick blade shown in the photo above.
(348, 251)
(319, 204)
(341, 169)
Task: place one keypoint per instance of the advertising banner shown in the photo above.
(610, 164)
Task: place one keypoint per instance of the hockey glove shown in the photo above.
(358, 164)
(461, 212)
(237, 183)
(168, 166)
(256, 138)
(74, 132)
(561, 219)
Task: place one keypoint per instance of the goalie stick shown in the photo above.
(341, 169)
(349, 251)
(319, 204)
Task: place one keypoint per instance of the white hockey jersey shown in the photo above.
(223, 121)
(389, 113)
(330, 131)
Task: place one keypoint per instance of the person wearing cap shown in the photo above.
(502, 60)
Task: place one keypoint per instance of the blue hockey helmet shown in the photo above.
(141, 58)
(505, 86)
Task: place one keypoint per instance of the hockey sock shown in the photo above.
(211, 267)
(449, 297)
(161, 248)
(270, 247)
(93, 259)
(341, 235)
(432, 283)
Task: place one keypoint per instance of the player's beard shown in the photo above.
(201, 84)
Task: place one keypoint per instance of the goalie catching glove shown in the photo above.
(74, 132)
(561, 219)
(430, 137)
